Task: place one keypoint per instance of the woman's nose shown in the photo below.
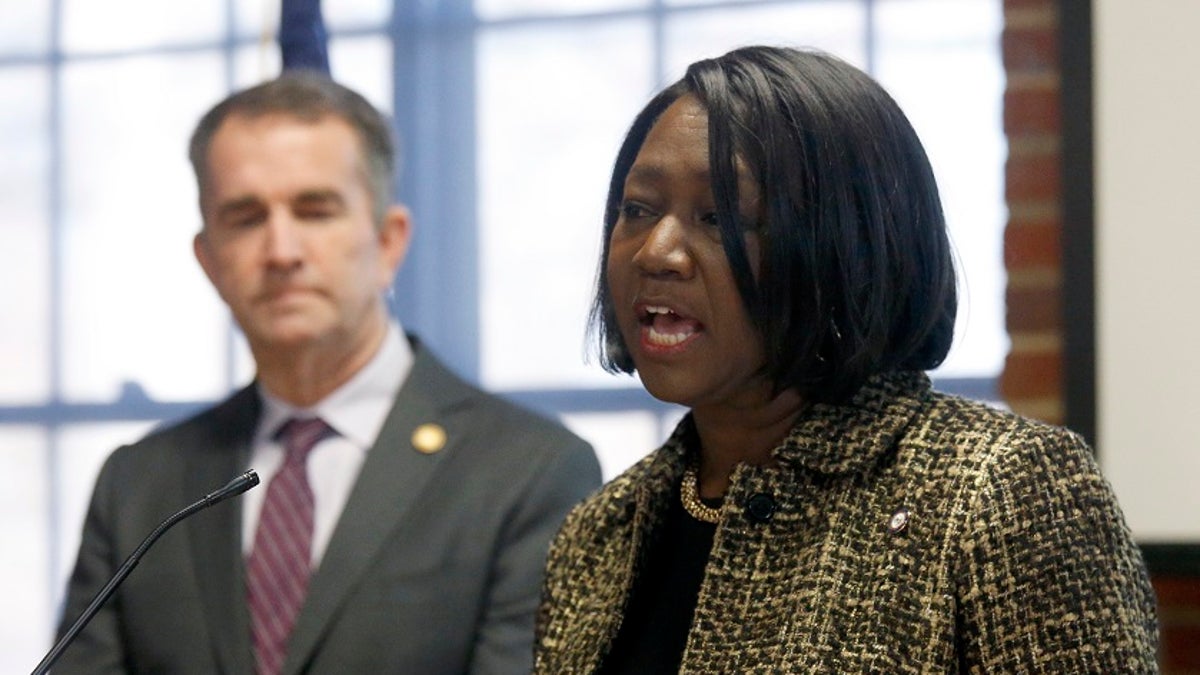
(664, 250)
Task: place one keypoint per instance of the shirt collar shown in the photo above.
(358, 408)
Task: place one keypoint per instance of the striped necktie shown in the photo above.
(278, 569)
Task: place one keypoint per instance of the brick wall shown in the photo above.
(1032, 382)
(1032, 379)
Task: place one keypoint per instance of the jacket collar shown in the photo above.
(851, 437)
(827, 438)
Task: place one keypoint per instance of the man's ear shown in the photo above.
(203, 253)
(395, 233)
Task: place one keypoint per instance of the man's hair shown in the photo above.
(856, 275)
(307, 97)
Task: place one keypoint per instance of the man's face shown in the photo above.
(289, 240)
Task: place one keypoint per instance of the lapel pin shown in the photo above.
(898, 522)
(429, 438)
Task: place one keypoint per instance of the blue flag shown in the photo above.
(302, 36)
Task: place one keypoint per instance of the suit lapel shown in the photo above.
(390, 481)
(216, 535)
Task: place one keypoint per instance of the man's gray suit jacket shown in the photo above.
(434, 567)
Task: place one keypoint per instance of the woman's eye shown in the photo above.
(634, 210)
(710, 218)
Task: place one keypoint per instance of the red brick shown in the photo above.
(1030, 50)
(1033, 310)
(1032, 110)
(1032, 244)
(1027, 4)
(1032, 375)
(1032, 177)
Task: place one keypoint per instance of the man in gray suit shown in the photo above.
(405, 529)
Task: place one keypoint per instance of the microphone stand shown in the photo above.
(231, 489)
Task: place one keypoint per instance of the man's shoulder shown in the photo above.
(473, 406)
(488, 435)
(210, 425)
(500, 423)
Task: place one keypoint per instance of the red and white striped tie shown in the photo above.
(278, 569)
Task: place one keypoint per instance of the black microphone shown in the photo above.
(233, 488)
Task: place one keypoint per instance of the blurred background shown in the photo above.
(508, 114)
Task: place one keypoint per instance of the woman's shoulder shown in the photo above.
(997, 441)
(954, 418)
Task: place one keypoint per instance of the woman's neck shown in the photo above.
(730, 436)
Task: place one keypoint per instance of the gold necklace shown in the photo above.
(690, 496)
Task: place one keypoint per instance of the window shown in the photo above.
(509, 114)
(556, 91)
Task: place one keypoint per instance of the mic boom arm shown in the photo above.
(233, 488)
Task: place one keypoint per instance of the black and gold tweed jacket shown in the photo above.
(905, 532)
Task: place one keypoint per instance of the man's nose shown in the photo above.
(284, 245)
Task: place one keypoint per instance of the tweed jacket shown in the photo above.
(906, 531)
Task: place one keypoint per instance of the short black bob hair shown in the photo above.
(857, 273)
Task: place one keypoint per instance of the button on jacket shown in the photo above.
(906, 531)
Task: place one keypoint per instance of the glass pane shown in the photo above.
(692, 3)
(26, 623)
(503, 9)
(836, 27)
(137, 308)
(550, 119)
(361, 63)
(24, 27)
(365, 65)
(82, 450)
(927, 48)
(123, 25)
(255, 63)
(356, 13)
(622, 438)
(938, 23)
(243, 367)
(24, 236)
(258, 18)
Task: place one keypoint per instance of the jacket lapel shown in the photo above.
(216, 535)
(628, 525)
(390, 481)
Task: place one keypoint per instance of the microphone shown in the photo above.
(233, 488)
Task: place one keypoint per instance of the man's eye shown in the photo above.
(242, 221)
(316, 212)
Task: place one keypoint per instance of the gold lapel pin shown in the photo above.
(429, 438)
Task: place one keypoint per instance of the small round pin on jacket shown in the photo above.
(898, 522)
(429, 438)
